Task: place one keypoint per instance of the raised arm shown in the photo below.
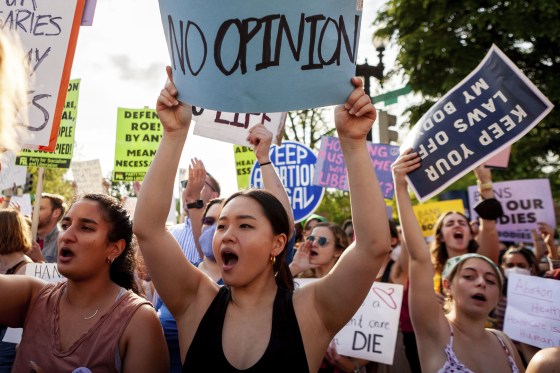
(339, 294)
(547, 235)
(197, 177)
(261, 139)
(425, 311)
(176, 280)
(488, 239)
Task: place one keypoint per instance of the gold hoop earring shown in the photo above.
(272, 259)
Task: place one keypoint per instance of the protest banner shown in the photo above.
(11, 174)
(295, 165)
(331, 168)
(48, 31)
(371, 334)
(234, 127)
(490, 109)
(62, 155)
(244, 159)
(533, 310)
(252, 56)
(88, 176)
(24, 202)
(89, 11)
(139, 132)
(428, 213)
(525, 202)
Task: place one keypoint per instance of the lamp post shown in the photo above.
(368, 71)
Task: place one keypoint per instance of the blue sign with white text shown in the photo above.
(295, 165)
(253, 56)
(489, 110)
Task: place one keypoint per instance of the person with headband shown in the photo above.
(453, 337)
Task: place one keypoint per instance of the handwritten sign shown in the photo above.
(62, 155)
(88, 176)
(244, 159)
(139, 132)
(371, 334)
(525, 202)
(332, 168)
(489, 110)
(45, 271)
(10, 173)
(234, 127)
(48, 31)
(533, 310)
(427, 213)
(295, 165)
(252, 56)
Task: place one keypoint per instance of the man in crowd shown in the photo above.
(53, 207)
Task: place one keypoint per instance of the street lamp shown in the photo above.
(368, 71)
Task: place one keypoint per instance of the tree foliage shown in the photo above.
(441, 42)
(308, 126)
(53, 182)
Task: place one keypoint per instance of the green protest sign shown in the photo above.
(62, 155)
(139, 132)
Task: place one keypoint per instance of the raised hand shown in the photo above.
(354, 119)
(407, 162)
(261, 139)
(197, 177)
(174, 115)
(300, 262)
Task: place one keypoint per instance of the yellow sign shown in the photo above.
(244, 159)
(427, 213)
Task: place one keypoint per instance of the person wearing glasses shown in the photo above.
(257, 321)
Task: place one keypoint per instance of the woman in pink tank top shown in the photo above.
(94, 321)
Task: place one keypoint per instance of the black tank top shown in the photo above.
(285, 351)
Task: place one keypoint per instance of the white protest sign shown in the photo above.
(48, 31)
(13, 335)
(45, 271)
(24, 202)
(88, 176)
(525, 202)
(371, 334)
(11, 174)
(234, 127)
(533, 310)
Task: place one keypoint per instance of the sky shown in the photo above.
(121, 62)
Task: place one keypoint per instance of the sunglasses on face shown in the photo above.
(185, 182)
(321, 241)
(209, 220)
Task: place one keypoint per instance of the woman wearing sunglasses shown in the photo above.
(256, 322)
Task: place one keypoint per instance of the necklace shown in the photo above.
(85, 317)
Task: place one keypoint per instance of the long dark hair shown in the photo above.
(277, 216)
(122, 270)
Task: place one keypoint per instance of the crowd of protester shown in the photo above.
(216, 292)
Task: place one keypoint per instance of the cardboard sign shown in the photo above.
(139, 132)
(525, 202)
(332, 168)
(234, 127)
(62, 155)
(45, 271)
(428, 213)
(48, 31)
(295, 165)
(244, 160)
(533, 310)
(252, 56)
(489, 110)
(88, 176)
(371, 334)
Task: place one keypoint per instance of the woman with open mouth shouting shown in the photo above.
(453, 338)
(256, 322)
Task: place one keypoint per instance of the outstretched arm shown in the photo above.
(16, 293)
(341, 292)
(425, 311)
(261, 139)
(176, 280)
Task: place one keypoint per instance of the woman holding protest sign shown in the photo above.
(256, 322)
(454, 339)
(90, 321)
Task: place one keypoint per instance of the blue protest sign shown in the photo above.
(490, 109)
(295, 165)
(331, 168)
(253, 56)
